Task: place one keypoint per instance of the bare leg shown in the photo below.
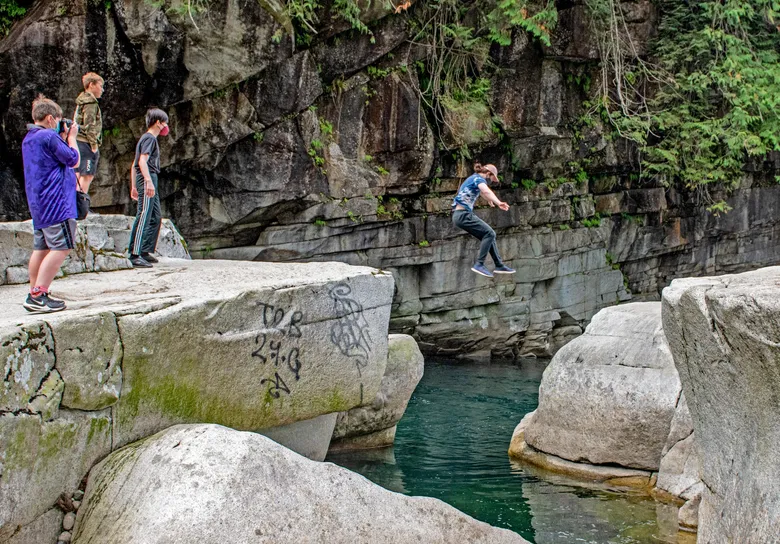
(49, 267)
(84, 182)
(37, 258)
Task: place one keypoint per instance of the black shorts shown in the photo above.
(89, 160)
(57, 237)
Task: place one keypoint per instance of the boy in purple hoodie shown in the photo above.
(50, 183)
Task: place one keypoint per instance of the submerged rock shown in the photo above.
(209, 484)
(723, 333)
(373, 425)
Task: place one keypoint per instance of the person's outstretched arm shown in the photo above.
(491, 197)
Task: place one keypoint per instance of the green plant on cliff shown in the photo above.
(710, 104)
(456, 36)
(300, 18)
(10, 12)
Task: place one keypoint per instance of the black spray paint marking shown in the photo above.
(271, 346)
(350, 333)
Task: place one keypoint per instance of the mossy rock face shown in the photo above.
(89, 356)
(27, 355)
(43, 459)
(256, 359)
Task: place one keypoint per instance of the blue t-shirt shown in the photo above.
(469, 191)
(49, 179)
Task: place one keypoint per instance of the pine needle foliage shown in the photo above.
(457, 36)
(713, 100)
(10, 12)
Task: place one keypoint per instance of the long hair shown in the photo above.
(484, 170)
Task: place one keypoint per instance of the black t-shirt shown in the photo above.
(148, 145)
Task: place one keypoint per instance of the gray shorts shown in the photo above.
(89, 160)
(57, 237)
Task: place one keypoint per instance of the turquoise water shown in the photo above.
(452, 442)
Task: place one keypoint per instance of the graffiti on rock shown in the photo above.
(277, 347)
(351, 332)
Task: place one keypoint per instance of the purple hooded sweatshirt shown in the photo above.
(49, 179)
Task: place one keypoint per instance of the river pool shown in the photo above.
(452, 442)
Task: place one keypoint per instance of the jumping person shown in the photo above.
(90, 121)
(464, 218)
(50, 184)
(143, 188)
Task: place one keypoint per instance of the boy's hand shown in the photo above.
(134, 192)
(504, 206)
(149, 188)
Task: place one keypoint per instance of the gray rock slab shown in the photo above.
(40, 460)
(608, 397)
(212, 485)
(723, 334)
(309, 438)
(40, 531)
(101, 246)
(27, 355)
(255, 345)
(520, 451)
(89, 358)
(405, 367)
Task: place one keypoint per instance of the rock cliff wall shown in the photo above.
(326, 151)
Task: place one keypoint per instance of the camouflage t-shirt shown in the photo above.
(469, 192)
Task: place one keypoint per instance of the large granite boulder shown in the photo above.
(209, 484)
(723, 333)
(608, 397)
(611, 411)
(373, 425)
(256, 346)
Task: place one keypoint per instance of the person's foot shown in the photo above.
(43, 304)
(149, 258)
(139, 262)
(503, 269)
(481, 270)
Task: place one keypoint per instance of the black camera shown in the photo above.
(65, 125)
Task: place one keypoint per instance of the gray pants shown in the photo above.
(467, 220)
(146, 227)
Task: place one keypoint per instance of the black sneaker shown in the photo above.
(139, 262)
(43, 304)
(149, 258)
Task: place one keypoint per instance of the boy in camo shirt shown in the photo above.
(90, 122)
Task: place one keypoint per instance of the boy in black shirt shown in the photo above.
(143, 188)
